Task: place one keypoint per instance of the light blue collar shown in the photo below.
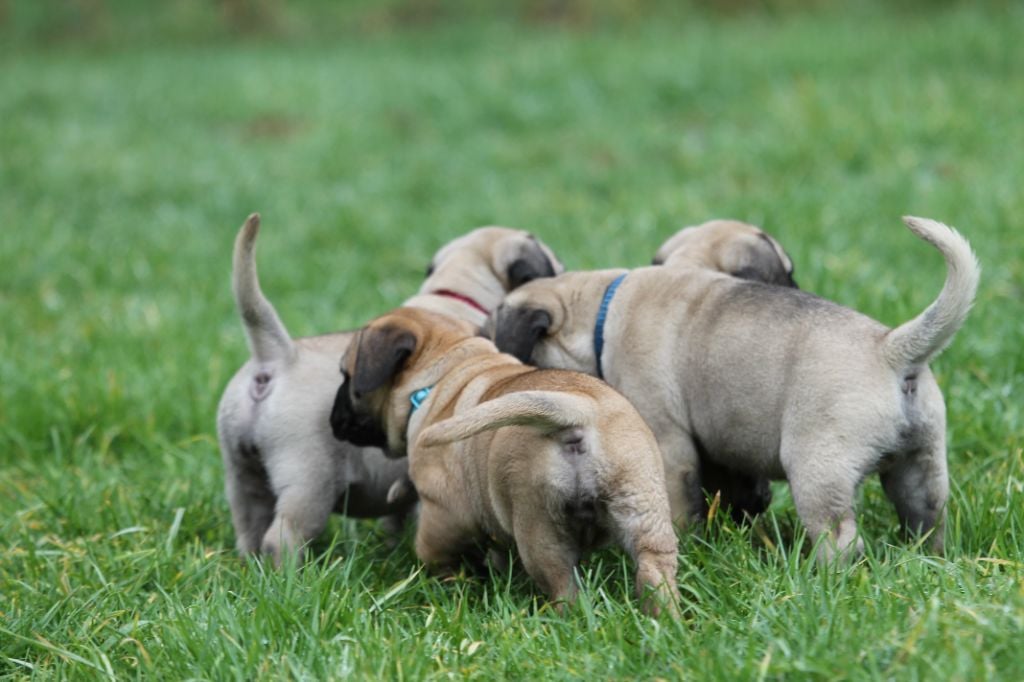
(602, 314)
(419, 396)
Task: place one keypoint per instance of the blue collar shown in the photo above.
(602, 314)
(418, 397)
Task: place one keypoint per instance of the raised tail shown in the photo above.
(548, 411)
(268, 339)
(922, 338)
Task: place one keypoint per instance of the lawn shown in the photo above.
(126, 170)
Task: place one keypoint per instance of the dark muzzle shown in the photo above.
(348, 425)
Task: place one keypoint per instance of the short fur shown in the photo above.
(284, 471)
(747, 252)
(548, 461)
(730, 246)
(772, 381)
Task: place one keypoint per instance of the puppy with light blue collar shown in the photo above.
(549, 462)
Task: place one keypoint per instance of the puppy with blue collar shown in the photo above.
(769, 381)
(745, 251)
(549, 462)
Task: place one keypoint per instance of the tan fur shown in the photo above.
(729, 246)
(503, 453)
(748, 252)
(284, 471)
(770, 381)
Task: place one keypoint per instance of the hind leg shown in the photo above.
(548, 554)
(440, 539)
(682, 477)
(306, 494)
(641, 521)
(249, 496)
(646, 532)
(918, 486)
(824, 481)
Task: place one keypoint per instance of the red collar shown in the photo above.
(459, 297)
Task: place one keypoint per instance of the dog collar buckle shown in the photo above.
(419, 396)
(602, 314)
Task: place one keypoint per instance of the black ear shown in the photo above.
(770, 274)
(749, 272)
(531, 263)
(518, 330)
(758, 261)
(382, 352)
(782, 273)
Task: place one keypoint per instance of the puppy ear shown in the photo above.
(517, 330)
(768, 275)
(787, 262)
(531, 262)
(382, 352)
(760, 260)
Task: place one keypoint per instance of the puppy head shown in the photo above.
(550, 322)
(382, 369)
(489, 262)
(732, 247)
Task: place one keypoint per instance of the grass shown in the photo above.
(124, 174)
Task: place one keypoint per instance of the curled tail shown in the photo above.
(922, 338)
(268, 339)
(548, 411)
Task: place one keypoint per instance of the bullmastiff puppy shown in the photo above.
(767, 380)
(733, 247)
(284, 471)
(748, 252)
(551, 462)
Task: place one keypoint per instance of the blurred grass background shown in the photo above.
(115, 22)
(136, 137)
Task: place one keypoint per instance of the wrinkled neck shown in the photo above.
(441, 375)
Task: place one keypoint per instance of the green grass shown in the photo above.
(124, 174)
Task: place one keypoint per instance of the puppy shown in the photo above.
(739, 249)
(748, 252)
(549, 461)
(767, 380)
(284, 472)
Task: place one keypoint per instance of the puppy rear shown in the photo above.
(566, 421)
(605, 479)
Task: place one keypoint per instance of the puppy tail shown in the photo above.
(268, 338)
(922, 338)
(547, 411)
